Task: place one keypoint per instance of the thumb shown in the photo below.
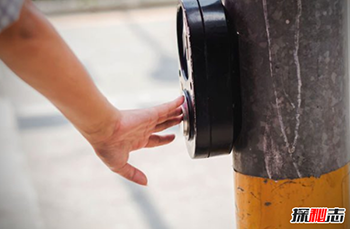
(133, 174)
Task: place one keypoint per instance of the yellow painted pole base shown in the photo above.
(267, 204)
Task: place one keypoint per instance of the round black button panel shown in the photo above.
(208, 77)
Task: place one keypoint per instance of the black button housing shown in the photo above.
(209, 77)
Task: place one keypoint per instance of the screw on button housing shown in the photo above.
(209, 77)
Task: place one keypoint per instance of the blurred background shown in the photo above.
(50, 176)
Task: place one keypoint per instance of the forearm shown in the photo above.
(35, 52)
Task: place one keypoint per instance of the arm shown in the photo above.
(36, 53)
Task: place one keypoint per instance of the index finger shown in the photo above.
(166, 108)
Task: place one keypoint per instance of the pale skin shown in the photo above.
(33, 49)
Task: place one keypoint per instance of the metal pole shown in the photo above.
(293, 150)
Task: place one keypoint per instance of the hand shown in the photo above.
(135, 129)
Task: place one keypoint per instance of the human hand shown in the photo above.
(135, 129)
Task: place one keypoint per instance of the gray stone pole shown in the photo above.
(295, 81)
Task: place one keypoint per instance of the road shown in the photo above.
(50, 177)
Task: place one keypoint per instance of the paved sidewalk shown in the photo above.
(18, 201)
(70, 6)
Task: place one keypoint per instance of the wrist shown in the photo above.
(104, 127)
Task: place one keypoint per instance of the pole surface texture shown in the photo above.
(293, 150)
